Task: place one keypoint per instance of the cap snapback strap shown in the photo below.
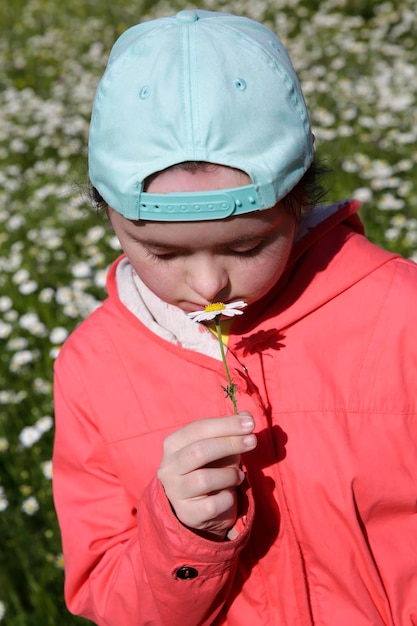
(196, 206)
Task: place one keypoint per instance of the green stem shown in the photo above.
(231, 388)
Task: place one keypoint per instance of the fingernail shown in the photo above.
(246, 422)
(249, 441)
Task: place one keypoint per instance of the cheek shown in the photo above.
(263, 279)
(261, 276)
(158, 277)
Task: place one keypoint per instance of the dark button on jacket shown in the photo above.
(186, 573)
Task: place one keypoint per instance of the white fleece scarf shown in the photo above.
(165, 320)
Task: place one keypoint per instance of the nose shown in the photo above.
(208, 278)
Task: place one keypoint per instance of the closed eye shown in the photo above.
(242, 250)
(162, 256)
(248, 250)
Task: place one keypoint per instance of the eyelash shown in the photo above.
(158, 257)
(245, 254)
(249, 253)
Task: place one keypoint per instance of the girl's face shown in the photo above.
(192, 264)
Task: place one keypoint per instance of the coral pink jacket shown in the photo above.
(328, 529)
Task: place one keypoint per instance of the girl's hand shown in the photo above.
(200, 472)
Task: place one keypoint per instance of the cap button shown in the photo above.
(187, 16)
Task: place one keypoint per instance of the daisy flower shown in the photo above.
(214, 312)
(211, 311)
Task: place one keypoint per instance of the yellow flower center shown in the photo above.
(215, 306)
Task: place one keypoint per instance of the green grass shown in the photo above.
(357, 61)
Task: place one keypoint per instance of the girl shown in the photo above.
(264, 474)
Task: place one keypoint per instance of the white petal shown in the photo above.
(231, 312)
(240, 304)
(202, 316)
(193, 314)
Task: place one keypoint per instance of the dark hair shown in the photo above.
(308, 192)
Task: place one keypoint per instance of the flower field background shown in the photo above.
(357, 61)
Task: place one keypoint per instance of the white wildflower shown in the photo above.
(64, 295)
(5, 330)
(28, 287)
(81, 270)
(21, 276)
(114, 243)
(4, 503)
(5, 304)
(217, 308)
(44, 424)
(214, 312)
(15, 222)
(30, 505)
(28, 321)
(17, 343)
(58, 335)
(47, 469)
(94, 234)
(29, 435)
(59, 561)
(20, 359)
(11, 316)
(3, 500)
(12, 397)
(363, 194)
(32, 323)
(55, 352)
(46, 295)
(100, 278)
(389, 202)
(42, 386)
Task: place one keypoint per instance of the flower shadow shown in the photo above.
(261, 341)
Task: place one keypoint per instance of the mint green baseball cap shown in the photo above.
(198, 86)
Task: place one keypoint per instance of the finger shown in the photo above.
(202, 453)
(218, 509)
(209, 428)
(204, 482)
